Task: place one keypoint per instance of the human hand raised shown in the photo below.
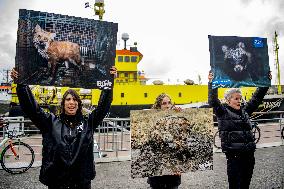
(210, 76)
(14, 74)
(2, 122)
(113, 71)
(270, 75)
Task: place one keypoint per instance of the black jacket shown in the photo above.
(234, 125)
(65, 162)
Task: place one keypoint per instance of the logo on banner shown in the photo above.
(258, 42)
(106, 84)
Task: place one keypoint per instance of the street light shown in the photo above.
(99, 8)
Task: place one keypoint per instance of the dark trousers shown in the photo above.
(240, 169)
(165, 182)
(71, 186)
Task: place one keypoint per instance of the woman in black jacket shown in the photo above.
(67, 153)
(234, 125)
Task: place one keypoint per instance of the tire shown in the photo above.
(256, 133)
(217, 140)
(21, 163)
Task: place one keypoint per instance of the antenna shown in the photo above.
(125, 37)
(276, 48)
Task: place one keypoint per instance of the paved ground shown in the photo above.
(268, 174)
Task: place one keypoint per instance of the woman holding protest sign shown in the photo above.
(234, 125)
(163, 102)
(67, 154)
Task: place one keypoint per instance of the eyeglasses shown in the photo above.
(167, 103)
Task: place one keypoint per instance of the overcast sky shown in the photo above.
(172, 35)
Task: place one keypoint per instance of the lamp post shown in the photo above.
(99, 8)
(276, 48)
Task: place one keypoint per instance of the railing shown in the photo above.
(112, 137)
(270, 128)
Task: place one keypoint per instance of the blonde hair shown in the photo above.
(159, 99)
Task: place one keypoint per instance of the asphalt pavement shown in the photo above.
(268, 174)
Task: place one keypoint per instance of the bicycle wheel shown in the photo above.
(256, 133)
(20, 163)
(217, 140)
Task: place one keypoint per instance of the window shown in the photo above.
(145, 95)
(179, 94)
(120, 58)
(126, 59)
(133, 58)
(122, 95)
(125, 74)
(117, 75)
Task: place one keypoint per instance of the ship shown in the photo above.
(5, 93)
(131, 91)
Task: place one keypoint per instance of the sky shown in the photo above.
(171, 35)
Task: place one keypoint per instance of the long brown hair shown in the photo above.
(76, 97)
(159, 99)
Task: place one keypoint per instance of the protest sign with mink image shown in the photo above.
(170, 142)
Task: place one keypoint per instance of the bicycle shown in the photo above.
(255, 131)
(17, 157)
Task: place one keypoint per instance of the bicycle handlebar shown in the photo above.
(12, 133)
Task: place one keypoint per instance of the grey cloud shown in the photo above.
(9, 13)
(7, 44)
(157, 68)
(272, 24)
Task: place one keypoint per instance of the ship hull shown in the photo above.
(272, 106)
(271, 103)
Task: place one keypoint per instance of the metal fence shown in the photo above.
(112, 137)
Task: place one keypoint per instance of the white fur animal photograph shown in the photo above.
(239, 61)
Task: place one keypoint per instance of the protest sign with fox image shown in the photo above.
(63, 50)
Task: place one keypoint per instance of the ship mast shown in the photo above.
(276, 47)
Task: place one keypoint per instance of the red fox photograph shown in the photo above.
(56, 51)
(62, 50)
